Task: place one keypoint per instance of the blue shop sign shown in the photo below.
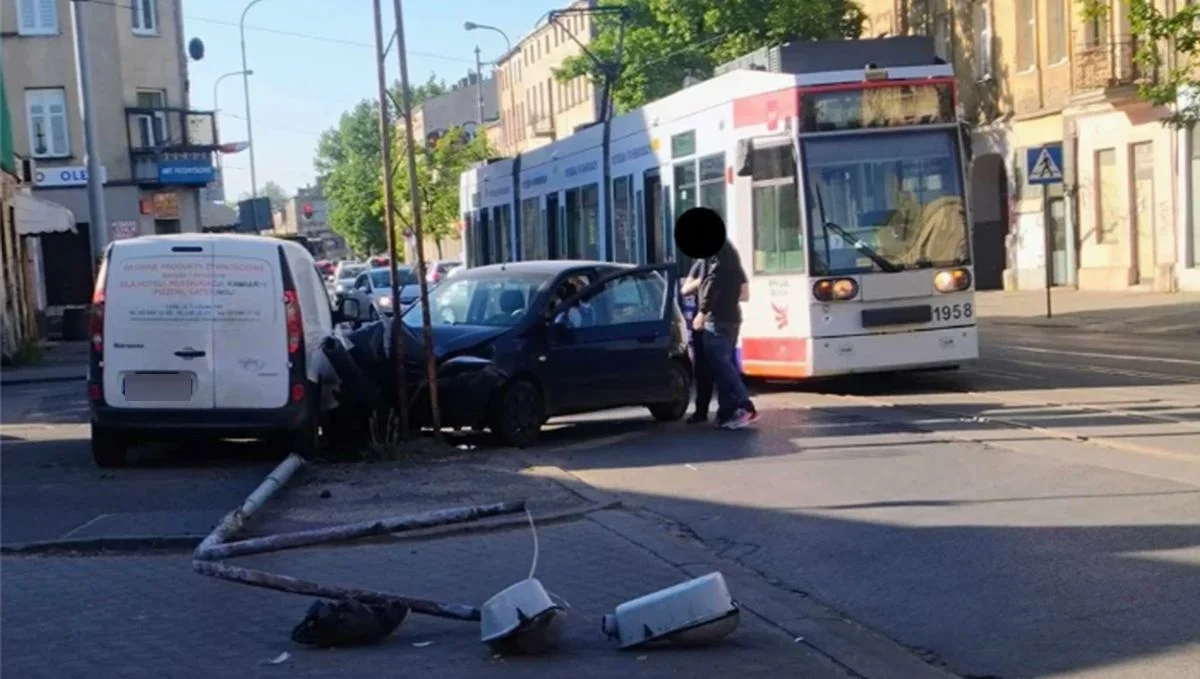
(185, 171)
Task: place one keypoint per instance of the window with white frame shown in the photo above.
(152, 125)
(46, 116)
(145, 17)
(983, 40)
(37, 17)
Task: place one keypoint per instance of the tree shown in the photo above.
(438, 169)
(668, 40)
(275, 193)
(348, 166)
(1167, 52)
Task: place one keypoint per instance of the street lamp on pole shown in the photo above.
(512, 97)
(217, 109)
(246, 90)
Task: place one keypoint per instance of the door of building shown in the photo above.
(1143, 211)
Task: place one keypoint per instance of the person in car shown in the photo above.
(578, 314)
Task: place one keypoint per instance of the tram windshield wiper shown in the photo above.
(878, 259)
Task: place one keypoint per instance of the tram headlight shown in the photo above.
(952, 280)
(835, 289)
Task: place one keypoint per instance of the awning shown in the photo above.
(36, 216)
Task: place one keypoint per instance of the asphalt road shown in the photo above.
(1038, 516)
(52, 490)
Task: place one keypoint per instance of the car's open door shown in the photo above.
(613, 339)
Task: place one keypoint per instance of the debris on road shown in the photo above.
(279, 659)
(693, 613)
(522, 619)
(330, 624)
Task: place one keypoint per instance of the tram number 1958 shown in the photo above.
(953, 312)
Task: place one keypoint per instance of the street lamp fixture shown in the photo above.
(246, 90)
(472, 26)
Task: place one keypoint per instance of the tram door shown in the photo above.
(652, 197)
(551, 226)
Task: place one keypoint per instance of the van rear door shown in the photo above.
(158, 340)
(250, 329)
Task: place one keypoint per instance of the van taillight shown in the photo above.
(295, 324)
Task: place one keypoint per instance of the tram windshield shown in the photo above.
(885, 201)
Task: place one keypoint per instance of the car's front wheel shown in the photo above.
(109, 449)
(681, 394)
(518, 414)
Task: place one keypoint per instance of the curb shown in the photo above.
(117, 543)
(40, 380)
(128, 544)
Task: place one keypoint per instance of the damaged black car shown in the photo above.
(516, 344)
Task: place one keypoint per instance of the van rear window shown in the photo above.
(181, 288)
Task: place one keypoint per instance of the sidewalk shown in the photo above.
(61, 362)
(1098, 311)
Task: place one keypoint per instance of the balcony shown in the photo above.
(171, 146)
(1108, 69)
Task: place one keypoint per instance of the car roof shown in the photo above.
(546, 266)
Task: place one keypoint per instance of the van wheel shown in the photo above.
(109, 449)
(518, 414)
(681, 394)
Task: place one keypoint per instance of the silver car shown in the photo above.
(373, 290)
(344, 275)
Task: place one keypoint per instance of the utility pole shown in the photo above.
(479, 87)
(389, 219)
(95, 182)
(419, 236)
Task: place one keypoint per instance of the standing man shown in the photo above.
(719, 318)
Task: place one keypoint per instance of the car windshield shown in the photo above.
(381, 279)
(494, 299)
(885, 202)
(349, 272)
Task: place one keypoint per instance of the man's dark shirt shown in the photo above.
(721, 289)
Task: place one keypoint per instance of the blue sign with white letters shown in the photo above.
(185, 171)
(1044, 164)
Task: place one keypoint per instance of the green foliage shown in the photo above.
(1159, 35)
(349, 167)
(668, 40)
(438, 171)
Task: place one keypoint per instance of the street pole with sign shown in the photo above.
(1043, 167)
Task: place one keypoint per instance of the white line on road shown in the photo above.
(85, 524)
(1085, 354)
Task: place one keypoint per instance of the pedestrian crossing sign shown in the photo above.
(1043, 164)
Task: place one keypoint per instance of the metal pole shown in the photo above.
(479, 87)
(95, 185)
(389, 217)
(1048, 246)
(246, 91)
(419, 236)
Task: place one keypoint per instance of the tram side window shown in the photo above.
(685, 187)
(533, 234)
(712, 183)
(778, 229)
(625, 236)
(502, 227)
(469, 235)
(583, 222)
(483, 241)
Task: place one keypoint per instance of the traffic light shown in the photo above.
(308, 210)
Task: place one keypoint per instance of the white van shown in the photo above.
(215, 335)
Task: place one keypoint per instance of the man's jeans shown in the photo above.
(719, 342)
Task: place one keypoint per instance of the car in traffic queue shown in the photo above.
(344, 276)
(439, 269)
(516, 344)
(373, 290)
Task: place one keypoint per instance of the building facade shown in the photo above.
(535, 108)
(457, 108)
(155, 153)
(306, 214)
(1035, 73)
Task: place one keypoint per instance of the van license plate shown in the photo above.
(158, 386)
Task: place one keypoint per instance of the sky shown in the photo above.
(313, 60)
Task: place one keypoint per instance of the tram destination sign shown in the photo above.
(876, 105)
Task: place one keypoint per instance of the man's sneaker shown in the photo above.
(740, 420)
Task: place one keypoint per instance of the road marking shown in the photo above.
(1085, 354)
